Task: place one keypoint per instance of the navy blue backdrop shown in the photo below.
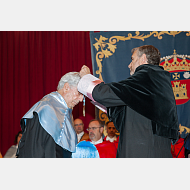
(111, 55)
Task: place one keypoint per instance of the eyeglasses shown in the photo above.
(93, 128)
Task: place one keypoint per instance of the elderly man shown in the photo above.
(142, 106)
(79, 128)
(106, 149)
(48, 126)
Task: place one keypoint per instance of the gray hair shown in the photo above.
(72, 78)
(100, 123)
(152, 53)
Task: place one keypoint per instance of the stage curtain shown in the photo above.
(32, 63)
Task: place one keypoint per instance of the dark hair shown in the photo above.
(15, 141)
(108, 122)
(152, 53)
(100, 123)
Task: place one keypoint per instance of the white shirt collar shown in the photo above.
(80, 135)
(97, 142)
(111, 139)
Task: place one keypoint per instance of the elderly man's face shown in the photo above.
(95, 131)
(73, 97)
(134, 63)
(79, 126)
(111, 130)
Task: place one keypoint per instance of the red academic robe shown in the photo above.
(115, 142)
(106, 149)
(177, 147)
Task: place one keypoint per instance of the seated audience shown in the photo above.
(79, 128)
(106, 149)
(111, 131)
(11, 152)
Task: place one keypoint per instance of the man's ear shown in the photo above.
(66, 87)
(101, 129)
(143, 59)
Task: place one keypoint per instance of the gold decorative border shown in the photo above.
(182, 128)
(103, 117)
(107, 49)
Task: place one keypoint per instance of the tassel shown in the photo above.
(83, 105)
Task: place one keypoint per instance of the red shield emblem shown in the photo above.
(179, 67)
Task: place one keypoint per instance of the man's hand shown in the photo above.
(84, 71)
(95, 82)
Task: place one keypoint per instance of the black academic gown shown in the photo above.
(133, 106)
(37, 143)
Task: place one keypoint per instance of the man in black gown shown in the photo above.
(48, 130)
(142, 107)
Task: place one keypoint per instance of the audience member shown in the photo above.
(106, 149)
(79, 128)
(11, 152)
(111, 131)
